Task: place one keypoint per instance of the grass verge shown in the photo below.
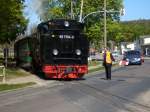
(98, 68)
(5, 87)
(94, 63)
(14, 73)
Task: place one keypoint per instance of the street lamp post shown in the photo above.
(73, 2)
(105, 20)
(72, 14)
(105, 23)
(81, 11)
(71, 10)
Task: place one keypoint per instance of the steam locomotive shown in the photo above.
(59, 49)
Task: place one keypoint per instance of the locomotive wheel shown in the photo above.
(37, 70)
(34, 67)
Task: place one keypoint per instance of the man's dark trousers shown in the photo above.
(108, 71)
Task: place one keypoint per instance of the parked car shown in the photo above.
(133, 57)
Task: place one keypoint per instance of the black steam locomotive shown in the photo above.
(59, 49)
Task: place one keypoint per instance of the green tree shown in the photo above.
(96, 21)
(12, 20)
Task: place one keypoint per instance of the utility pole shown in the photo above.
(71, 10)
(72, 13)
(105, 23)
(81, 11)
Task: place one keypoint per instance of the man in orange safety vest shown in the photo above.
(107, 62)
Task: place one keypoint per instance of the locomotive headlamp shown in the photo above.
(78, 52)
(66, 23)
(53, 35)
(55, 52)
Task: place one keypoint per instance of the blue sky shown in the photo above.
(136, 9)
(30, 12)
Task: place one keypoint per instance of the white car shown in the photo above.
(117, 55)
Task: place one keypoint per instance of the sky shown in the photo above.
(30, 11)
(136, 9)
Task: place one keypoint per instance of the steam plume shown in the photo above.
(34, 10)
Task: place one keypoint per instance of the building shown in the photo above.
(145, 44)
(142, 44)
(124, 47)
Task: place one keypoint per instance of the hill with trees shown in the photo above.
(132, 30)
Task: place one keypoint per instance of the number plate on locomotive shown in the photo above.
(69, 70)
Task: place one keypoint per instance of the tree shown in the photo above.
(12, 20)
(96, 20)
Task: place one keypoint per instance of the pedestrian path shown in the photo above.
(26, 79)
(146, 57)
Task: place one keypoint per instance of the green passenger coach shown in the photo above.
(23, 54)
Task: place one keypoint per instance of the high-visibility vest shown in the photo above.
(108, 57)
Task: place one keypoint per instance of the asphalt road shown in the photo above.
(128, 91)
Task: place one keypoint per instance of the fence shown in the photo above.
(3, 73)
(10, 55)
